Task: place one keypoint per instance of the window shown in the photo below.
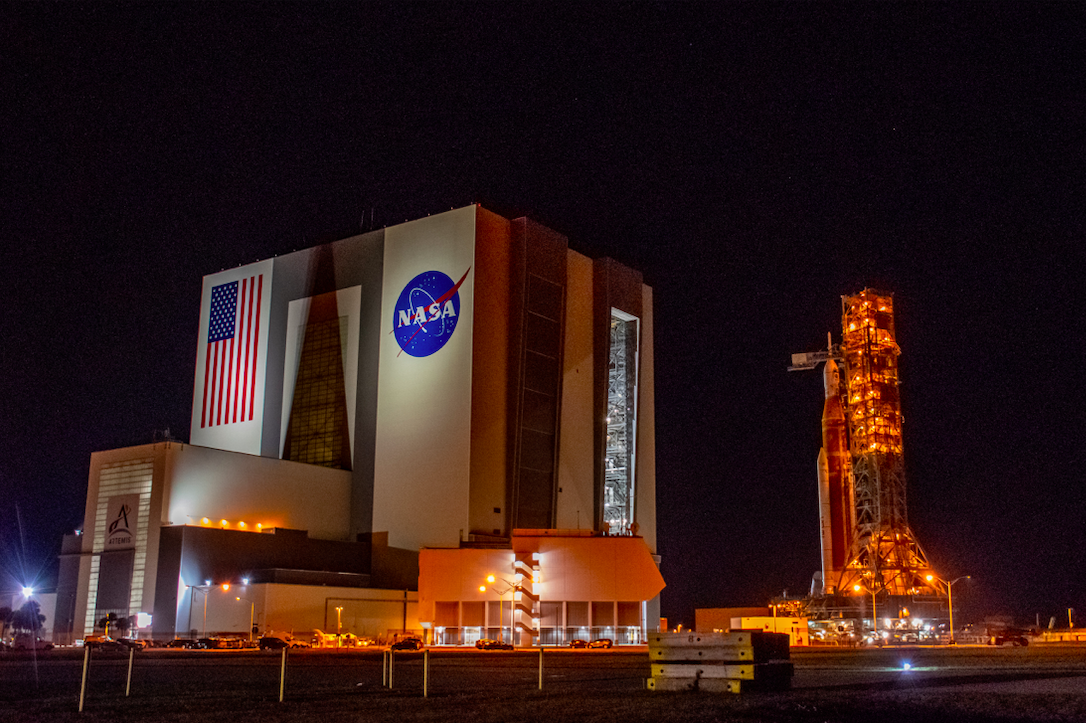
(619, 457)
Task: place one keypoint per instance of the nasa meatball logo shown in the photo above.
(427, 312)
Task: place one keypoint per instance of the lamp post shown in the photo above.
(252, 610)
(950, 602)
(511, 586)
(205, 589)
(339, 625)
(874, 612)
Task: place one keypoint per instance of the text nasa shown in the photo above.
(419, 316)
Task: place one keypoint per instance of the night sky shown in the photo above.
(755, 161)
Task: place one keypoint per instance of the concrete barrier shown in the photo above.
(720, 662)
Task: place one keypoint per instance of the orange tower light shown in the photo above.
(867, 543)
(885, 554)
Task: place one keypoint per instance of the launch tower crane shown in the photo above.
(867, 544)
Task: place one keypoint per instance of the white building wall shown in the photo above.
(576, 501)
(645, 475)
(236, 487)
(295, 611)
(422, 466)
(180, 484)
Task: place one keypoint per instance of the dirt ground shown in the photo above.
(969, 685)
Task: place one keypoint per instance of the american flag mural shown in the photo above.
(233, 335)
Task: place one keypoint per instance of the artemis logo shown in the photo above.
(119, 529)
(426, 313)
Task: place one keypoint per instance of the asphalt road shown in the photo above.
(1036, 683)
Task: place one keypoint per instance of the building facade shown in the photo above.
(439, 384)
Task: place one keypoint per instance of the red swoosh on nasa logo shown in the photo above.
(440, 300)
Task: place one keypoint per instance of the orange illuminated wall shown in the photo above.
(573, 565)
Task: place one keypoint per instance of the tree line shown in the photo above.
(27, 619)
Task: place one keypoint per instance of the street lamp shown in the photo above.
(205, 589)
(339, 625)
(512, 586)
(252, 609)
(950, 602)
(874, 613)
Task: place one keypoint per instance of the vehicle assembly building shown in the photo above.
(462, 386)
(869, 552)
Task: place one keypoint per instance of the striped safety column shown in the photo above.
(526, 599)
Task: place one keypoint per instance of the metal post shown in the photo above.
(283, 675)
(425, 673)
(874, 617)
(131, 657)
(391, 658)
(252, 613)
(541, 666)
(83, 683)
(384, 668)
(950, 601)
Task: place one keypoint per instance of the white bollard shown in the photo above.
(283, 675)
(83, 683)
(131, 657)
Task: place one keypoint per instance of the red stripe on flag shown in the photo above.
(231, 383)
(222, 381)
(214, 381)
(239, 316)
(227, 379)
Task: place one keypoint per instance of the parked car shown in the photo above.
(26, 641)
(1008, 636)
(132, 643)
(180, 643)
(602, 643)
(578, 643)
(103, 643)
(407, 644)
(270, 643)
(493, 645)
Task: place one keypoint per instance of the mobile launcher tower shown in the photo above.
(869, 553)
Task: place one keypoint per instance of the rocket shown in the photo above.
(835, 505)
